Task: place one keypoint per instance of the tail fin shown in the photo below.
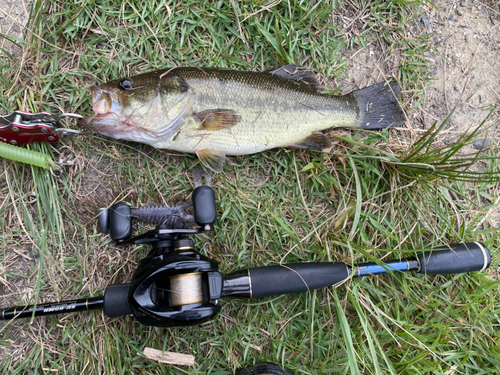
(379, 107)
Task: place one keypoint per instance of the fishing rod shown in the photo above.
(176, 286)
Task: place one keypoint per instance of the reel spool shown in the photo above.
(186, 289)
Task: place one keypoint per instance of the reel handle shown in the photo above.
(117, 220)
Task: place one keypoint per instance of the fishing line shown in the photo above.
(186, 289)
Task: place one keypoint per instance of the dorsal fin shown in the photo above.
(298, 74)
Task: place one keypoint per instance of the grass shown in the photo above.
(374, 196)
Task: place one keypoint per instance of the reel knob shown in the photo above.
(103, 217)
(117, 221)
(205, 212)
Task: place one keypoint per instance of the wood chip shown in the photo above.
(169, 357)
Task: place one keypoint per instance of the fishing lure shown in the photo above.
(26, 156)
(20, 128)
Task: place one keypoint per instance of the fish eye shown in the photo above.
(126, 84)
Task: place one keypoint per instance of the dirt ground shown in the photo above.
(465, 65)
(13, 16)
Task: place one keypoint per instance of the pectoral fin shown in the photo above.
(212, 159)
(216, 119)
(316, 141)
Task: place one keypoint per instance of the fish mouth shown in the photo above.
(101, 100)
(101, 122)
(104, 118)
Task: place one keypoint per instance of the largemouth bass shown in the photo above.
(219, 112)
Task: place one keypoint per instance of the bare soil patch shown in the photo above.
(13, 16)
(464, 65)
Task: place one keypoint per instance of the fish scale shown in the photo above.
(219, 112)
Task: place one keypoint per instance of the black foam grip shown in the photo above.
(295, 278)
(204, 205)
(460, 258)
(116, 300)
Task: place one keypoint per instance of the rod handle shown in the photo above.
(458, 258)
(116, 300)
(295, 278)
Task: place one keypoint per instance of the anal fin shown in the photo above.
(212, 159)
(316, 141)
(216, 119)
